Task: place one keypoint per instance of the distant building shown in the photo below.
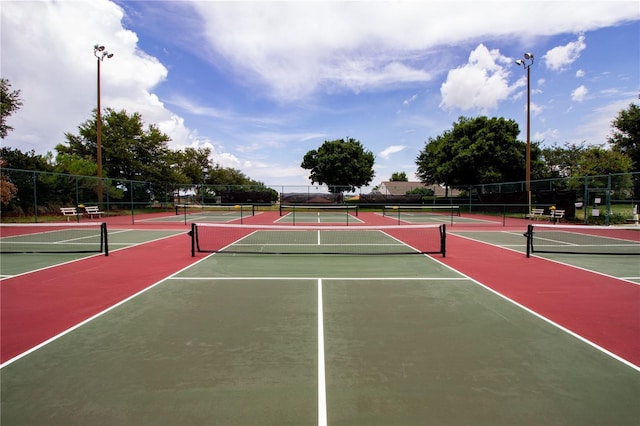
(401, 188)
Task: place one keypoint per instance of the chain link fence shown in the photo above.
(603, 199)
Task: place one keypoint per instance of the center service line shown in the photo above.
(322, 389)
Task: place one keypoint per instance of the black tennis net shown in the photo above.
(582, 239)
(320, 239)
(318, 213)
(416, 213)
(69, 237)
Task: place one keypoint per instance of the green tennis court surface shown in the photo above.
(312, 340)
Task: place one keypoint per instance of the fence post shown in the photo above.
(608, 200)
(585, 203)
(35, 198)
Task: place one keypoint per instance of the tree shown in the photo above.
(9, 103)
(476, 150)
(399, 177)
(626, 136)
(561, 162)
(8, 190)
(130, 152)
(193, 164)
(20, 171)
(343, 165)
(596, 161)
(602, 168)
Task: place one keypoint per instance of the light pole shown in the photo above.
(526, 63)
(100, 53)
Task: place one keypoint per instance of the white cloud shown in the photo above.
(580, 73)
(287, 50)
(294, 49)
(560, 57)
(387, 152)
(480, 84)
(547, 136)
(579, 94)
(54, 67)
(409, 101)
(596, 125)
(536, 109)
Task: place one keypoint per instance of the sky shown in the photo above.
(262, 83)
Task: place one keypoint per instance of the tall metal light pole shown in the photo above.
(526, 63)
(100, 53)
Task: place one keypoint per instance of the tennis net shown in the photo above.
(582, 239)
(215, 212)
(69, 237)
(318, 213)
(412, 213)
(320, 239)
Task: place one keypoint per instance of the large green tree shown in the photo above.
(10, 102)
(476, 150)
(130, 151)
(626, 134)
(193, 164)
(561, 161)
(399, 177)
(342, 165)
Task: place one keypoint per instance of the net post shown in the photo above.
(104, 238)
(529, 236)
(193, 239)
(443, 240)
(280, 208)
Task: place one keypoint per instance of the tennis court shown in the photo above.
(384, 335)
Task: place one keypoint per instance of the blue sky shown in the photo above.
(262, 83)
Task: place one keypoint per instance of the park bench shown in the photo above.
(93, 211)
(535, 214)
(69, 212)
(556, 215)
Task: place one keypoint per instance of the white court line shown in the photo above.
(322, 388)
(317, 278)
